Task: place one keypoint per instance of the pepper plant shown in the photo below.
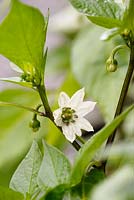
(45, 171)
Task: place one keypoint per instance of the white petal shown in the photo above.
(58, 121)
(78, 130)
(57, 113)
(84, 124)
(57, 117)
(15, 67)
(63, 100)
(85, 107)
(77, 98)
(69, 133)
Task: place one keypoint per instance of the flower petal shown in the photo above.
(84, 124)
(58, 121)
(57, 117)
(85, 107)
(57, 113)
(15, 67)
(77, 98)
(78, 130)
(63, 100)
(69, 133)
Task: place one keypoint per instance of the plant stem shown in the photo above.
(116, 49)
(43, 96)
(81, 139)
(76, 145)
(49, 113)
(20, 106)
(123, 93)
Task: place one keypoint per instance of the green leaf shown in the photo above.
(15, 134)
(57, 193)
(89, 180)
(71, 196)
(84, 188)
(89, 149)
(24, 179)
(55, 169)
(22, 36)
(118, 186)
(6, 194)
(89, 55)
(18, 81)
(107, 14)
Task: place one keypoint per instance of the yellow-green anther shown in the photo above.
(68, 115)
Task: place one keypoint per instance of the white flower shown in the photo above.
(70, 115)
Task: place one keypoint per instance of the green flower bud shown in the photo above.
(126, 33)
(111, 65)
(109, 61)
(34, 125)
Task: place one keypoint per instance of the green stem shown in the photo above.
(23, 107)
(123, 93)
(49, 113)
(43, 96)
(81, 139)
(116, 49)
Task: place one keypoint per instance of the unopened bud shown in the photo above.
(111, 65)
(34, 125)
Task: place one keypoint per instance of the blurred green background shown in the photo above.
(76, 58)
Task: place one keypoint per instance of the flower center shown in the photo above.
(68, 115)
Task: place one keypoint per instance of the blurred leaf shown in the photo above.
(24, 179)
(92, 145)
(15, 134)
(119, 186)
(22, 36)
(89, 55)
(55, 169)
(107, 14)
(128, 126)
(89, 180)
(6, 194)
(70, 84)
(58, 59)
(124, 150)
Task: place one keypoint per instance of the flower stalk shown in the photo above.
(123, 94)
(81, 139)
